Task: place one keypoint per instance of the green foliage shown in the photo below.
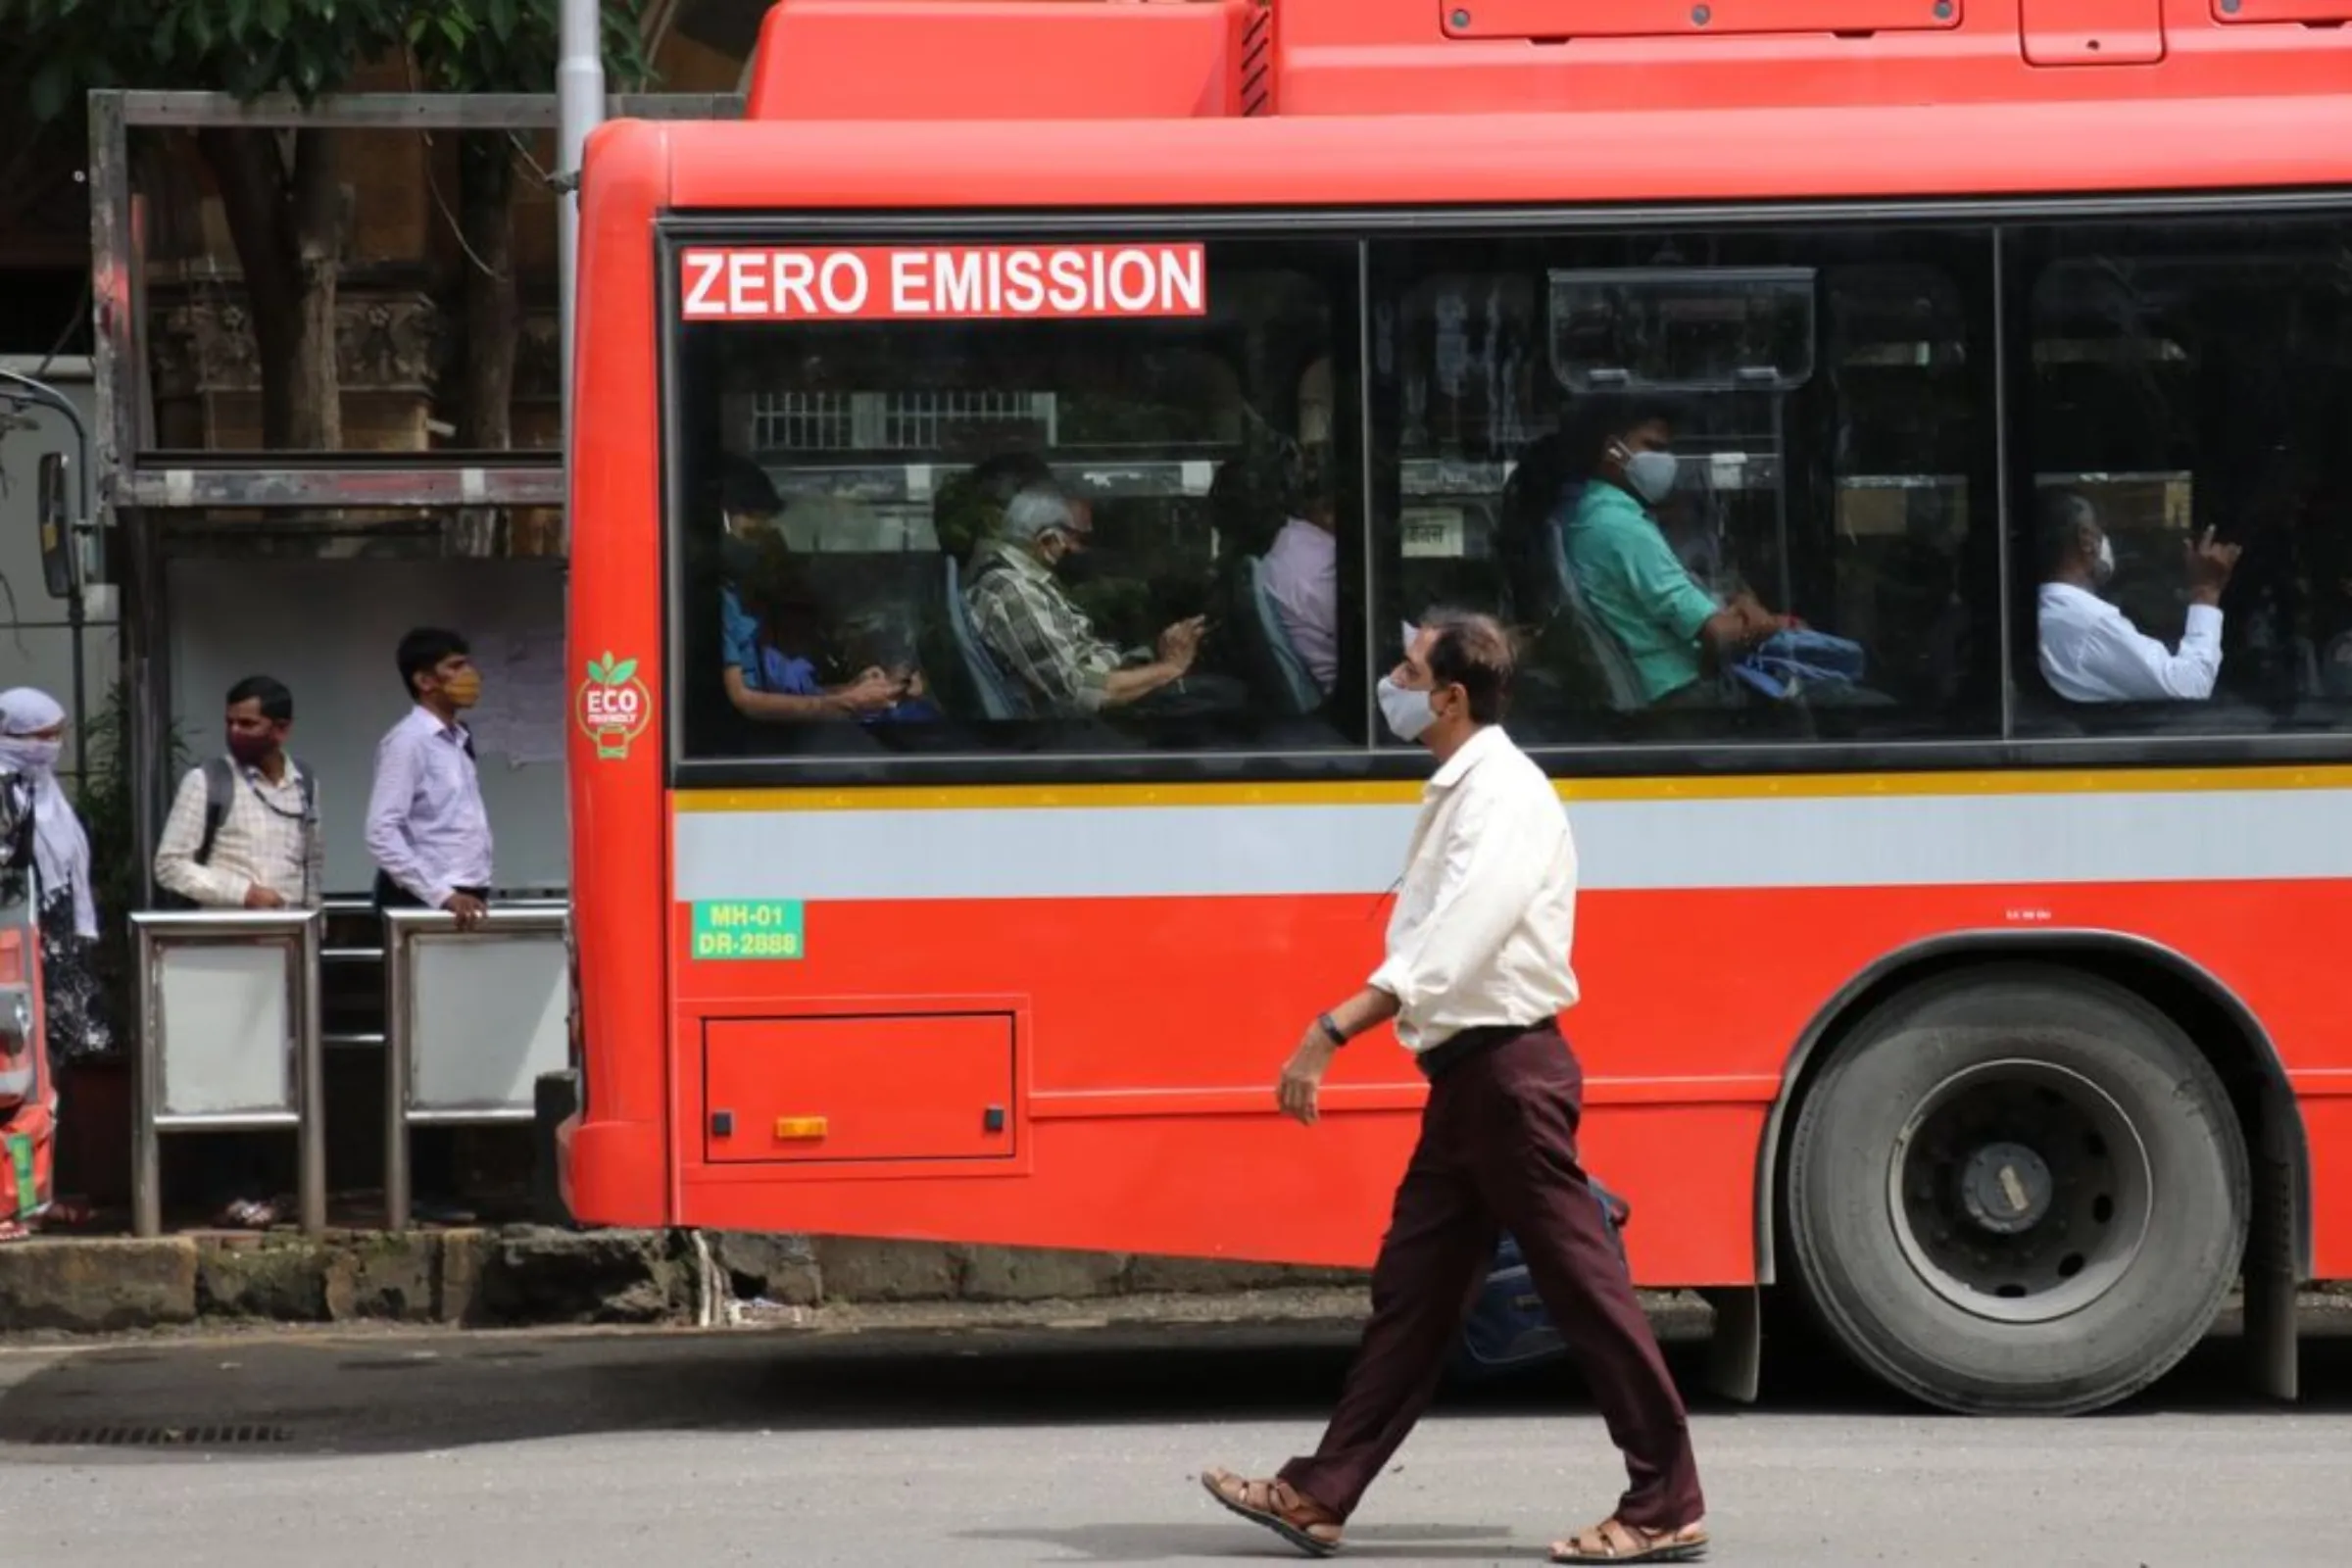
(511, 45)
(251, 48)
(103, 797)
(245, 47)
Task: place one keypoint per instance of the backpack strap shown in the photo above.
(310, 792)
(220, 790)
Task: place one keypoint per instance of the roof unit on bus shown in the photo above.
(1093, 60)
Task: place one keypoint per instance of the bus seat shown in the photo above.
(1270, 646)
(1617, 670)
(2334, 673)
(997, 698)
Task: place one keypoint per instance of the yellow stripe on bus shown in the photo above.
(1405, 792)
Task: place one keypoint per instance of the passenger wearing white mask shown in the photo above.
(1626, 569)
(2091, 651)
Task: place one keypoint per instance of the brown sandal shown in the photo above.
(1615, 1540)
(1278, 1506)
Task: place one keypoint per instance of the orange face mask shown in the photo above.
(465, 688)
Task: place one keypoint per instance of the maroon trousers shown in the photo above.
(1497, 1149)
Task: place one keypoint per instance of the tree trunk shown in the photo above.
(493, 317)
(286, 225)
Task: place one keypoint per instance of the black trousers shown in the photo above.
(1499, 1151)
(432, 1150)
(390, 894)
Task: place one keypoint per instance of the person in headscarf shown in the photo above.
(32, 730)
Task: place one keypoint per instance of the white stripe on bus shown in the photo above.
(1898, 840)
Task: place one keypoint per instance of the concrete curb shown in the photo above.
(531, 1277)
(527, 1276)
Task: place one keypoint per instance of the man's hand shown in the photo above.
(257, 897)
(2208, 568)
(872, 692)
(470, 910)
(1302, 1076)
(1180, 644)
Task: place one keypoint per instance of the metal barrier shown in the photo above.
(229, 1041)
(471, 1018)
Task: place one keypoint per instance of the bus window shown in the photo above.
(949, 529)
(1827, 398)
(2185, 379)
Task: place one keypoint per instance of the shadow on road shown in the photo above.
(295, 1396)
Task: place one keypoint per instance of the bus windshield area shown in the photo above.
(1891, 482)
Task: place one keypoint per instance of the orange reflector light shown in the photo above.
(798, 1128)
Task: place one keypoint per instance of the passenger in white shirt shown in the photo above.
(1302, 569)
(1476, 974)
(2091, 651)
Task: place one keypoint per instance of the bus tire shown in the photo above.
(2019, 1190)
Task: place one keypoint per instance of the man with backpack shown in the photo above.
(243, 834)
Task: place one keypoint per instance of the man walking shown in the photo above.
(1476, 976)
(243, 834)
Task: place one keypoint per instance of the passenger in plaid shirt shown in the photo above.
(1041, 639)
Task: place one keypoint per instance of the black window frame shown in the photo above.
(1365, 228)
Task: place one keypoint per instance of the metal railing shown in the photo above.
(229, 1041)
(471, 1018)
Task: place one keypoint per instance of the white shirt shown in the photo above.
(2091, 653)
(1302, 579)
(262, 841)
(1486, 911)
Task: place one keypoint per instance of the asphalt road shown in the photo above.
(1003, 1447)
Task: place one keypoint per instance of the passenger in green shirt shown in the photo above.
(1630, 580)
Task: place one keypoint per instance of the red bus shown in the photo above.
(923, 889)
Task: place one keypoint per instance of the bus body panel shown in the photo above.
(1719, 919)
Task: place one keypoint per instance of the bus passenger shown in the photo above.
(1039, 635)
(1626, 571)
(765, 611)
(1303, 566)
(2091, 651)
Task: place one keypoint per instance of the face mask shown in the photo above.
(29, 755)
(1408, 710)
(738, 555)
(464, 690)
(1651, 475)
(251, 750)
(2104, 566)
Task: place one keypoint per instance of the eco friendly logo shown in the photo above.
(614, 706)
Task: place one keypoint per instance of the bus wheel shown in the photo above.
(2017, 1190)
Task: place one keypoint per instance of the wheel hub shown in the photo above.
(2005, 1188)
(2019, 1190)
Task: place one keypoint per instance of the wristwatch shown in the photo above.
(1331, 1031)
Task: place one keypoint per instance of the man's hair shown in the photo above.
(1604, 416)
(1035, 510)
(745, 489)
(422, 652)
(276, 702)
(1476, 653)
(2059, 519)
(1008, 473)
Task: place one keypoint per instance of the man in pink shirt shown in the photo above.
(1302, 566)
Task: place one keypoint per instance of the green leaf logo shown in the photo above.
(616, 674)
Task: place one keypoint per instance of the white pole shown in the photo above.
(579, 110)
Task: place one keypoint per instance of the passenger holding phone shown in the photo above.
(769, 619)
(2091, 651)
(1040, 636)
